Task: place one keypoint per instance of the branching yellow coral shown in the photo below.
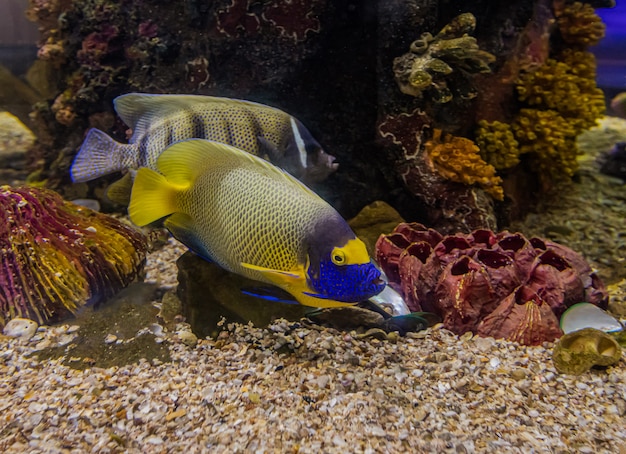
(590, 104)
(566, 86)
(497, 144)
(458, 159)
(549, 139)
(565, 101)
(580, 25)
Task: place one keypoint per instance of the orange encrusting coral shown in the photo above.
(458, 159)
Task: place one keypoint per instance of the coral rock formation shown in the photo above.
(579, 351)
(58, 256)
(458, 159)
(451, 205)
(432, 59)
(501, 285)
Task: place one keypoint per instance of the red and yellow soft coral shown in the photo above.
(58, 256)
(458, 159)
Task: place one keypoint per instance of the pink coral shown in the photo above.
(237, 19)
(502, 285)
(97, 45)
(148, 29)
(405, 130)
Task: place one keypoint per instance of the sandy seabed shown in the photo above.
(298, 387)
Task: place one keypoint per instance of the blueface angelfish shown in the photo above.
(254, 219)
(158, 121)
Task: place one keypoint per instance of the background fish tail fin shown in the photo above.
(152, 197)
(99, 155)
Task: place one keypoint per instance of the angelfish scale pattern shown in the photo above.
(253, 219)
(239, 125)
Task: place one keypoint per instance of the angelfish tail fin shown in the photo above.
(99, 155)
(152, 197)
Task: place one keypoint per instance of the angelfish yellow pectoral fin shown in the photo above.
(277, 277)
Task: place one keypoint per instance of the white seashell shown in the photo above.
(586, 315)
(156, 329)
(392, 301)
(21, 328)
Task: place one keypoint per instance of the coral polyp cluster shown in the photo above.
(501, 285)
(458, 159)
(433, 59)
(579, 25)
(557, 93)
(563, 100)
(497, 144)
(58, 256)
(567, 87)
(549, 139)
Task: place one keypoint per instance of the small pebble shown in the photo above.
(518, 374)
(20, 328)
(188, 338)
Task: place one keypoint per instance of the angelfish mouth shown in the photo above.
(379, 281)
(326, 160)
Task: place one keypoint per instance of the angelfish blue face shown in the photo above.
(346, 283)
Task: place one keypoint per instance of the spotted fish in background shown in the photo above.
(254, 219)
(158, 121)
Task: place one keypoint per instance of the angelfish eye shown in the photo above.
(338, 257)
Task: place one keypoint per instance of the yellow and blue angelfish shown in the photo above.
(254, 219)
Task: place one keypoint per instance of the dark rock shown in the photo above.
(209, 293)
(374, 220)
(613, 163)
(346, 318)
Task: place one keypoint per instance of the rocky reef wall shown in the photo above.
(372, 81)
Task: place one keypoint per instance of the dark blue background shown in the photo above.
(611, 52)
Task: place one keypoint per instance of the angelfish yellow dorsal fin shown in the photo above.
(182, 162)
